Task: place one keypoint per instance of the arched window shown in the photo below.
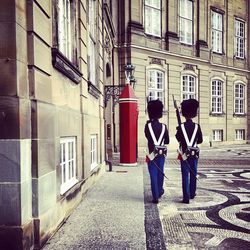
(155, 85)
(188, 87)
(239, 98)
(216, 96)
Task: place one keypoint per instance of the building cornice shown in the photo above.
(180, 56)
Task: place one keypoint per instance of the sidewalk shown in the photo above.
(117, 213)
(110, 216)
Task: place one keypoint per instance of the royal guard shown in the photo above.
(189, 135)
(157, 136)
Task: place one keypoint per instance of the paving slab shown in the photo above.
(111, 215)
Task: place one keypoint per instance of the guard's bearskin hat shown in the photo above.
(189, 108)
(155, 109)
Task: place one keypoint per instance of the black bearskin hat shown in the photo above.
(189, 108)
(155, 109)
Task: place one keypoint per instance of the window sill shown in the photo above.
(240, 58)
(218, 53)
(217, 114)
(67, 185)
(153, 36)
(239, 115)
(93, 90)
(61, 63)
(189, 45)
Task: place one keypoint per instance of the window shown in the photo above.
(188, 87)
(216, 94)
(153, 17)
(92, 42)
(239, 99)
(93, 152)
(155, 85)
(68, 163)
(64, 50)
(217, 135)
(239, 40)
(240, 134)
(217, 32)
(64, 28)
(186, 21)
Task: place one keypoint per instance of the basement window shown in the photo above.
(217, 135)
(240, 134)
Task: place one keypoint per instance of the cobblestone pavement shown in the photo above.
(218, 217)
(113, 215)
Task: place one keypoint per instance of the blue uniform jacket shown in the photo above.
(157, 128)
(189, 126)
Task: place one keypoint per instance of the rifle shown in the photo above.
(177, 111)
(179, 123)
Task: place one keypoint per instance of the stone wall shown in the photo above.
(45, 97)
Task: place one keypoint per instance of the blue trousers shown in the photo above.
(189, 173)
(156, 177)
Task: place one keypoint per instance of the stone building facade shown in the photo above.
(190, 48)
(52, 114)
(62, 59)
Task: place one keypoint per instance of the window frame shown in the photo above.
(186, 19)
(218, 50)
(217, 135)
(190, 94)
(155, 89)
(64, 34)
(238, 37)
(66, 167)
(239, 137)
(217, 96)
(67, 66)
(151, 7)
(243, 99)
(92, 43)
(93, 151)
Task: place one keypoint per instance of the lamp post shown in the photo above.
(128, 120)
(129, 72)
(132, 81)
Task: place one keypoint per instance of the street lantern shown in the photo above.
(129, 72)
(132, 81)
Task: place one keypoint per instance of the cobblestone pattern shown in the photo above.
(153, 228)
(218, 217)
